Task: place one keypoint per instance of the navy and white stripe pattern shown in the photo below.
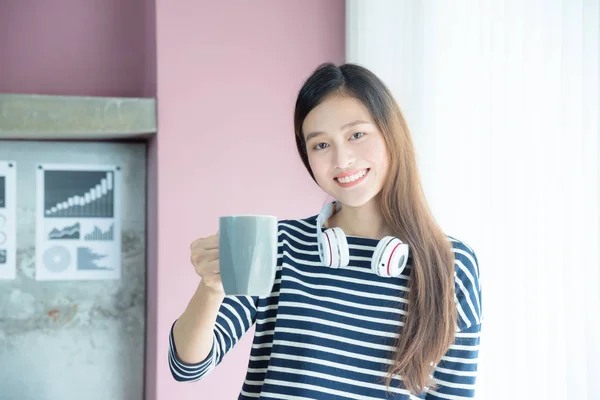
(329, 333)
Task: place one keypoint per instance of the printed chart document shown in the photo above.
(78, 222)
(8, 220)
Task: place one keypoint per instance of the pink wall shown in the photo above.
(75, 47)
(228, 74)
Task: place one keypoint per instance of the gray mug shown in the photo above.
(248, 254)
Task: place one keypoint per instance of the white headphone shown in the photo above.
(389, 259)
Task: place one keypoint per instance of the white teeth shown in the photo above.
(352, 178)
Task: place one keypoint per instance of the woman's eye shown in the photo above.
(357, 135)
(321, 146)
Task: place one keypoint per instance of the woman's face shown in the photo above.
(346, 151)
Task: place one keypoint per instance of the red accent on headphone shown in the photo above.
(390, 259)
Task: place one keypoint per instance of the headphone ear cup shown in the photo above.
(390, 257)
(333, 248)
(325, 247)
(343, 255)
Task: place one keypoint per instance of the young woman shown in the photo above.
(372, 300)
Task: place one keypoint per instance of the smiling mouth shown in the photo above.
(350, 180)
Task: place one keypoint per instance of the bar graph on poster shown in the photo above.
(78, 217)
(8, 219)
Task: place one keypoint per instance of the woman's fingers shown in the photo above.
(208, 243)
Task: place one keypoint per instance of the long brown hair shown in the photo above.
(429, 326)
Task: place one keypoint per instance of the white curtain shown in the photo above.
(502, 98)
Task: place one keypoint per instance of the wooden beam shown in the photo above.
(44, 117)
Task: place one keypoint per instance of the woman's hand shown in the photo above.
(205, 259)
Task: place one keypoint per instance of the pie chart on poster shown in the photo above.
(2, 238)
(57, 259)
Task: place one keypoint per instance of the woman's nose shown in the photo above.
(344, 157)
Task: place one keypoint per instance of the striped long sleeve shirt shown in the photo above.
(329, 333)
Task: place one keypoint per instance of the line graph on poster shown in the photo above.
(78, 211)
(65, 232)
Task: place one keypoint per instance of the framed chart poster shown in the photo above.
(78, 222)
(8, 220)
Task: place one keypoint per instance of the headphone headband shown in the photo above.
(326, 213)
(389, 257)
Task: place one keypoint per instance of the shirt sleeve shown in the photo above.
(236, 315)
(455, 375)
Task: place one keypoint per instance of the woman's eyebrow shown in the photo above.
(345, 126)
